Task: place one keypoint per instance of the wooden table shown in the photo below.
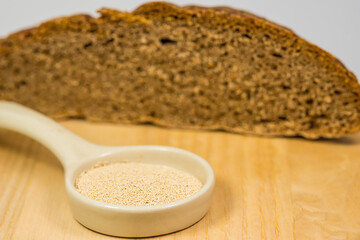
(267, 188)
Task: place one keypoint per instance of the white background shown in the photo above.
(334, 25)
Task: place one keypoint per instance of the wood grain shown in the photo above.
(267, 188)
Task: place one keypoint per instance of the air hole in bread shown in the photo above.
(165, 41)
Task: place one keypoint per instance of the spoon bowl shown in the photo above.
(77, 155)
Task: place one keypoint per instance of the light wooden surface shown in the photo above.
(267, 188)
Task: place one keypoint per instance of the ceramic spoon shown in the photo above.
(77, 154)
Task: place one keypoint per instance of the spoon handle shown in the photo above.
(64, 144)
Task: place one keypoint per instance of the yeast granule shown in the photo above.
(136, 184)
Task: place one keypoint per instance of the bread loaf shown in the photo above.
(190, 67)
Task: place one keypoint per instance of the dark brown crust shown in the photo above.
(231, 11)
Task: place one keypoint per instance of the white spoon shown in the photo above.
(77, 154)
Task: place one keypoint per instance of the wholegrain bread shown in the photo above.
(190, 67)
